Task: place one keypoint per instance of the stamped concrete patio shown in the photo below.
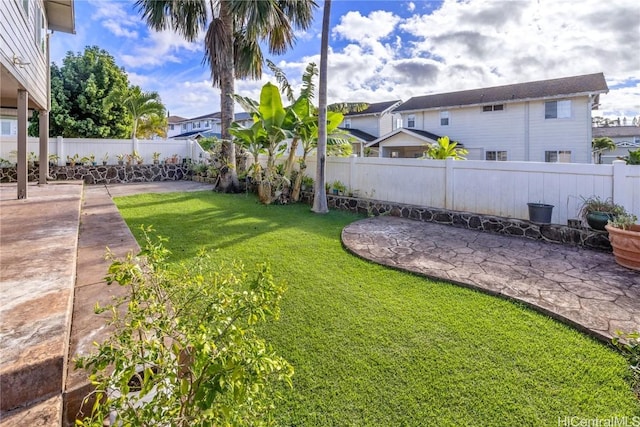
(584, 288)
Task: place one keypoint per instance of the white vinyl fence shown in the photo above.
(484, 187)
(85, 147)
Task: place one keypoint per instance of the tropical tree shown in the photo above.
(139, 105)
(600, 145)
(152, 125)
(235, 29)
(320, 204)
(445, 149)
(78, 90)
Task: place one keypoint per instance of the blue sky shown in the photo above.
(387, 50)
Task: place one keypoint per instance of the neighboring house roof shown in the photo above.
(586, 84)
(217, 115)
(376, 108)
(194, 134)
(61, 15)
(175, 119)
(361, 135)
(616, 131)
(427, 137)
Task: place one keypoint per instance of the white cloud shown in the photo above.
(411, 6)
(160, 47)
(118, 30)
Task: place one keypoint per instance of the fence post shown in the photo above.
(448, 183)
(60, 151)
(352, 171)
(621, 186)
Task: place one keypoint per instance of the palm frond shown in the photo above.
(214, 49)
(187, 18)
(348, 107)
(281, 78)
(308, 86)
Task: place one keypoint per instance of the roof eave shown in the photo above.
(61, 15)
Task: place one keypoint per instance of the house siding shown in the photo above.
(368, 124)
(18, 36)
(520, 129)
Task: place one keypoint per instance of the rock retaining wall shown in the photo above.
(110, 174)
(556, 233)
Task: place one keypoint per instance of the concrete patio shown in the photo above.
(52, 268)
(582, 287)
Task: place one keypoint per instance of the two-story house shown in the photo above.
(173, 125)
(625, 137)
(542, 121)
(25, 73)
(208, 125)
(369, 124)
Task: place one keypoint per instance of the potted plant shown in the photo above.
(105, 158)
(120, 158)
(53, 159)
(624, 235)
(156, 158)
(71, 161)
(598, 212)
(307, 183)
(338, 188)
(136, 157)
(540, 212)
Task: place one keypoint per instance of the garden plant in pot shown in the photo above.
(624, 235)
(598, 212)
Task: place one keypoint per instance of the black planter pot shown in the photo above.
(597, 220)
(540, 212)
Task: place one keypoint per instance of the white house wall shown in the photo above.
(18, 37)
(519, 125)
(368, 124)
(572, 133)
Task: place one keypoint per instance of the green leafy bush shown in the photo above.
(184, 351)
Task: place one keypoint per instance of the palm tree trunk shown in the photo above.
(229, 178)
(320, 197)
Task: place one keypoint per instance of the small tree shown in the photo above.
(184, 351)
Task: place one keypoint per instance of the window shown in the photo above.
(5, 128)
(196, 125)
(171, 127)
(557, 109)
(497, 107)
(557, 156)
(41, 30)
(411, 121)
(347, 123)
(184, 127)
(500, 156)
(25, 6)
(444, 118)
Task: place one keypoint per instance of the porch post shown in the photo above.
(21, 168)
(44, 146)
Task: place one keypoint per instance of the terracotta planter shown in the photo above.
(626, 245)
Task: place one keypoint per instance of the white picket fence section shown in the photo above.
(84, 147)
(490, 188)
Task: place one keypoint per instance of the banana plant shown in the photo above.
(444, 149)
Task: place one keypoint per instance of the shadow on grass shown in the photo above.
(214, 221)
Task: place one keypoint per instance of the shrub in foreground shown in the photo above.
(183, 351)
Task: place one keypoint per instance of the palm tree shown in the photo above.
(142, 105)
(320, 204)
(601, 144)
(232, 50)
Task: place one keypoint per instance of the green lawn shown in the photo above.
(374, 346)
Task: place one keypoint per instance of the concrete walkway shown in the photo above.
(581, 287)
(52, 265)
